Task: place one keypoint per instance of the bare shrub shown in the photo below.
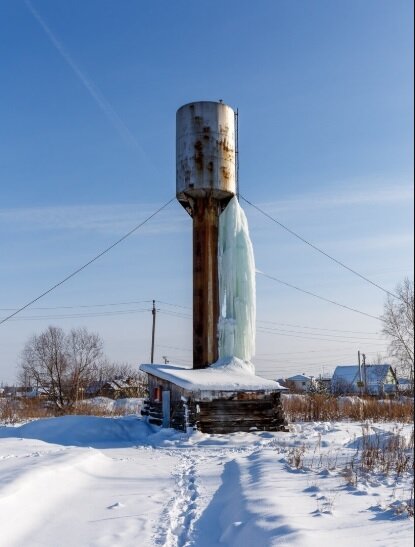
(349, 474)
(296, 457)
(8, 411)
(391, 455)
(13, 411)
(35, 408)
(325, 504)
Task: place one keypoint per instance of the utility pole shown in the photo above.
(364, 371)
(153, 312)
(360, 374)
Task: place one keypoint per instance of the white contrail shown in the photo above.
(89, 85)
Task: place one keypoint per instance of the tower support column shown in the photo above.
(205, 281)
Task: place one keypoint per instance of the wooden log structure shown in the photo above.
(215, 411)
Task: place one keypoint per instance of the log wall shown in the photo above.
(227, 416)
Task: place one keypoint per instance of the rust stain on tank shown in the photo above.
(199, 155)
(225, 172)
(225, 146)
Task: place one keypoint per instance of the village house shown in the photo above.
(371, 379)
(118, 388)
(300, 382)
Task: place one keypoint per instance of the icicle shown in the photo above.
(236, 325)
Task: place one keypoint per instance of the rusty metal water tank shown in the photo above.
(205, 152)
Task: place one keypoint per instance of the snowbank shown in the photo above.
(82, 431)
(148, 486)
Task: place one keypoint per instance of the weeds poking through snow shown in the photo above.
(390, 455)
(296, 457)
(325, 504)
(379, 457)
(350, 475)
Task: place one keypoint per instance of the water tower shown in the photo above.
(206, 166)
(227, 397)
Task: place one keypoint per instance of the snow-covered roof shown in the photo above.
(350, 374)
(406, 381)
(347, 374)
(299, 378)
(233, 375)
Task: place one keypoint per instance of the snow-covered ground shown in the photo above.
(89, 481)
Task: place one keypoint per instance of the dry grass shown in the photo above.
(296, 457)
(322, 407)
(88, 409)
(13, 411)
(391, 457)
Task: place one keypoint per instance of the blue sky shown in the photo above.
(88, 100)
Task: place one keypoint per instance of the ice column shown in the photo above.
(236, 327)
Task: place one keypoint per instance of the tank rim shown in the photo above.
(204, 102)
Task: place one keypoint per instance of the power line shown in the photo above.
(316, 328)
(135, 302)
(174, 314)
(317, 296)
(325, 334)
(324, 351)
(306, 363)
(274, 363)
(174, 305)
(84, 306)
(79, 315)
(101, 305)
(92, 314)
(89, 262)
(278, 333)
(342, 264)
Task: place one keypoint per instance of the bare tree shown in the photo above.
(60, 364)
(85, 350)
(398, 326)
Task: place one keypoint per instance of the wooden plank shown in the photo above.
(166, 408)
(239, 418)
(236, 404)
(223, 430)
